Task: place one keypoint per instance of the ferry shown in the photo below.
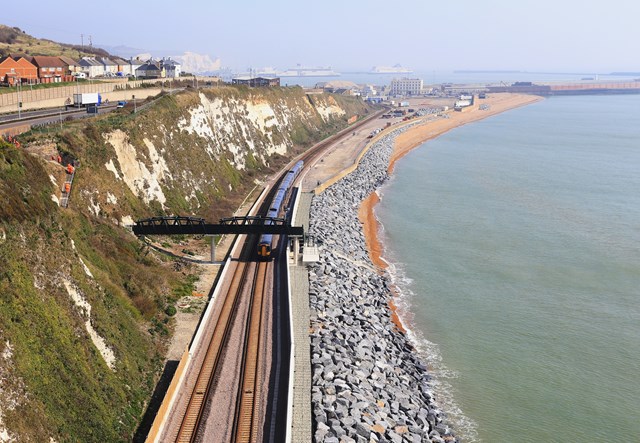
(395, 69)
(301, 71)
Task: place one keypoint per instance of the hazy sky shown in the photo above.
(544, 35)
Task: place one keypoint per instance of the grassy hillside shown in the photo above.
(15, 40)
(56, 383)
(83, 303)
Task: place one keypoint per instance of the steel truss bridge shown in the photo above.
(232, 225)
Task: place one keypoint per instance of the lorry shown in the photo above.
(87, 99)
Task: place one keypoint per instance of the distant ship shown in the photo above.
(301, 71)
(265, 72)
(395, 69)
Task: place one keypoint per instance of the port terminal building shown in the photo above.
(406, 86)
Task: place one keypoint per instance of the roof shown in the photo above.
(17, 56)
(149, 67)
(169, 62)
(88, 61)
(107, 61)
(68, 60)
(47, 61)
(119, 61)
(24, 61)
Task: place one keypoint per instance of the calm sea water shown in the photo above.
(437, 77)
(516, 243)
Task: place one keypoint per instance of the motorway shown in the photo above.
(48, 116)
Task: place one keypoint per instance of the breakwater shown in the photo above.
(368, 382)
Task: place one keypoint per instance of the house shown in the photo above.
(91, 67)
(123, 66)
(50, 69)
(255, 82)
(110, 67)
(134, 64)
(28, 71)
(72, 65)
(172, 68)
(151, 69)
(9, 71)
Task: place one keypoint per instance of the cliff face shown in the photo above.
(200, 152)
(83, 327)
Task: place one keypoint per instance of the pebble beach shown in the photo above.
(368, 382)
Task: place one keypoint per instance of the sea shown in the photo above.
(515, 245)
(460, 77)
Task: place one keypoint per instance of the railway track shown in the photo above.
(247, 420)
(193, 415)
(250, 279)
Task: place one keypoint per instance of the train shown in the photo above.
(264, 245)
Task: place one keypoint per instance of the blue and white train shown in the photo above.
(264, 245)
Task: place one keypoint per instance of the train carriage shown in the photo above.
(264, 245)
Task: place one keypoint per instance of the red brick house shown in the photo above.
(8, 70)
(51, 69)
(28, 71)
(11, 70)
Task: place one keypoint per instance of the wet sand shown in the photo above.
(415, 137)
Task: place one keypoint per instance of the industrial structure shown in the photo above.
(256, 82)
(406, 86)
(632, 87)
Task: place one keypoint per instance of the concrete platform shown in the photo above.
(301, 420)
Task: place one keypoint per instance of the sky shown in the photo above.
(348, 35)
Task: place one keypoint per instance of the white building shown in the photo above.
(406, 86)
(110, 67)
(134, 64)
(172, 68)
(91, 67)
(368, 91)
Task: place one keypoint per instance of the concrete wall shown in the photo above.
(117, 89)
(55, 97)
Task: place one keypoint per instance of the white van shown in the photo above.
(79, 75)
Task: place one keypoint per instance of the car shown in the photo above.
(79, 75)
(121, 104)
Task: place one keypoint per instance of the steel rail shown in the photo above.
(199, 395)
(246, 419)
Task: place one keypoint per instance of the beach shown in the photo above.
(412, 138)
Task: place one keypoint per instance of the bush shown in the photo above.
(170, 311)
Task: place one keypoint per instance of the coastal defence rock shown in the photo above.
(367, 383)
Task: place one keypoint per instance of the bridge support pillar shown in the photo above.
(213, 248)
(296, 249)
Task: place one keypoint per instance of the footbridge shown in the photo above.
(232, 225)
(175, 225)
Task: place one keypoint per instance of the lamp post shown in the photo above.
(18, 93)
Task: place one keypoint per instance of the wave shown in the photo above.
(464, 427)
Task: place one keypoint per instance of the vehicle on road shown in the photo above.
(85, 99)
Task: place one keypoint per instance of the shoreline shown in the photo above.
(417, 135)
(369, 381)
(406, 142)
